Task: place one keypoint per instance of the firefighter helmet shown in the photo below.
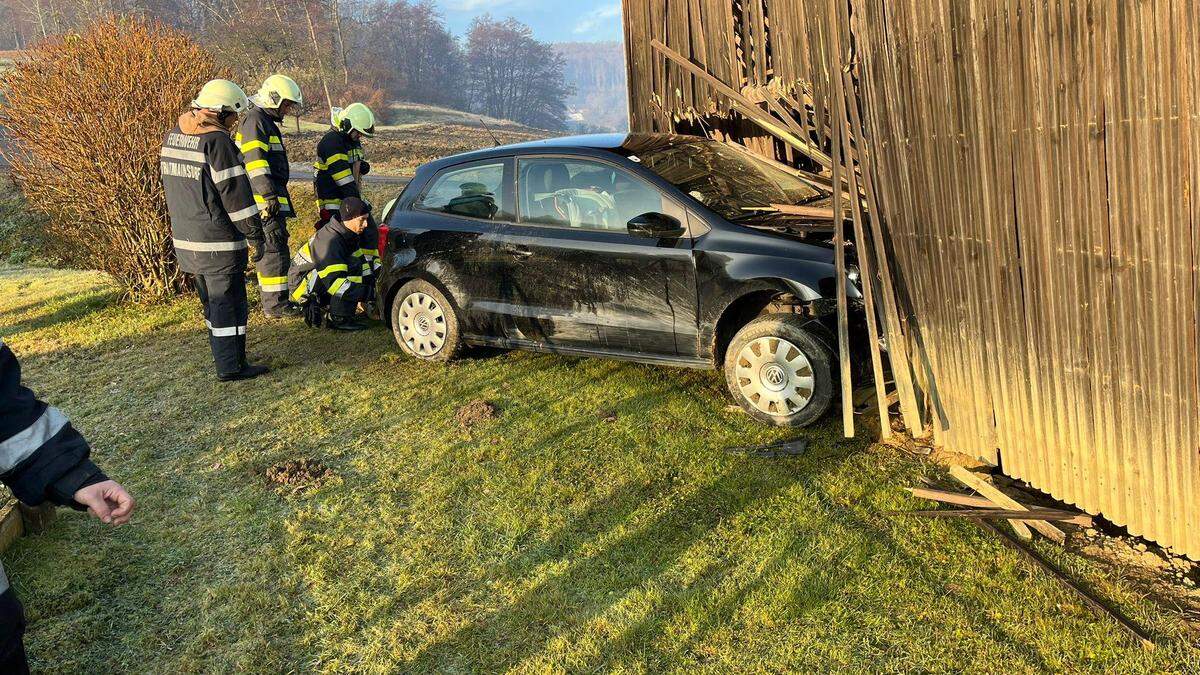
(354, 117)
(222, 96)
(277, 89)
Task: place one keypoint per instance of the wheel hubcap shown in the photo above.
(775, 376)
(422, 324)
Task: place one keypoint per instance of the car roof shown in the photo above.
(622, 144)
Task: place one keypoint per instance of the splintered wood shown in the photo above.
(1030, 173)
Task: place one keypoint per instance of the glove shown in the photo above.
(364, 167)
(313, 316)
(258, 246)
(271, 208)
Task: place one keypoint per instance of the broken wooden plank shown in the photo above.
(745, 106)
(1081, 519)
(978, 484)
(817, 212)
(1003, 514)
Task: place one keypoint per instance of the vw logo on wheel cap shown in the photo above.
(774, 376)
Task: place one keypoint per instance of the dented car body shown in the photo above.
(650, 248)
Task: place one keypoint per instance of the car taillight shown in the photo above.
(383, 239)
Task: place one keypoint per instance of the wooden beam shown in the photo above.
(978, 484)
(839, 224)
(745, 106)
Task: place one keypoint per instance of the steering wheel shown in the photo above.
(573, 204)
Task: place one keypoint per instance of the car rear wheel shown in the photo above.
(424, 322)
(779, 373)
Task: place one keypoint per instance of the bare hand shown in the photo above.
(108, 501)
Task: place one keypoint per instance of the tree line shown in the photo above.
(374, 51)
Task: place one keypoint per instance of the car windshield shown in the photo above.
(732, 183)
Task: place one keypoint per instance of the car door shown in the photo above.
(575, 277)
(454, 228)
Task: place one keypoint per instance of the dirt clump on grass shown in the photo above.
(476, 412)
(298, 475)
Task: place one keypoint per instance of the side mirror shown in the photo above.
(656, 226)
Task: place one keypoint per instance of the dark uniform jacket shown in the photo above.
(328, 267)
(261, 143)
(42, 457)
(209, 198)
(334, 178)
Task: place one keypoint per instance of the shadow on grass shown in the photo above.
(593, 584)
(74, 310)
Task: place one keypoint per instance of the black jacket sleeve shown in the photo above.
(42, 457)
(254, 139)
(229, 175)
(334, 154)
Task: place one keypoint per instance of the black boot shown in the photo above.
(346, 325)
(248, 372)
(288, 311)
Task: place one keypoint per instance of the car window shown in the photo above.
(583, 194)
(475, 191)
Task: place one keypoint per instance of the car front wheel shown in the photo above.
(424, 322)
(779, 373)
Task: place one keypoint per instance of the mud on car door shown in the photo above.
(576, 277)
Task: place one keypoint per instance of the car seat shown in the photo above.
(541, 182)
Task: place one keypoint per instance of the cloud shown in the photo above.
(596, 18)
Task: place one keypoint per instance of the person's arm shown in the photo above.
(341, 275)
(229, 176)
(43, 458)
(254, 140)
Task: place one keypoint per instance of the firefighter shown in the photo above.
(43, 458)
(266, 160)
(340, 167)
(214, 219)
(326, 276)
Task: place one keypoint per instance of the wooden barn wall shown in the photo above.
(1036, 166)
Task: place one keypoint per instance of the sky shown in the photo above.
(551, 20)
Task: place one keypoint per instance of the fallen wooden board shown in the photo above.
(1031, 515)
(1081, 519)
(978, 484)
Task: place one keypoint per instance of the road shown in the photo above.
(304, 172)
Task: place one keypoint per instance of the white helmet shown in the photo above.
(221, 96)
(277, 89)
(354, 117)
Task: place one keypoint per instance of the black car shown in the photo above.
(660, 249)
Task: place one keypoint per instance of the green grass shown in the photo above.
(545, 540)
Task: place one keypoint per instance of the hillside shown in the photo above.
(597, 72)
(415, 134)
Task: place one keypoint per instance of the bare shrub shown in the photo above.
(85, 116)
(369, 95)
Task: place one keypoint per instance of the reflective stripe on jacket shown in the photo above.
(333, 175)
(209, 199)
(261, 143)
(42, 457)
(327, 267)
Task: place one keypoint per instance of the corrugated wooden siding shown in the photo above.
(1036, 166)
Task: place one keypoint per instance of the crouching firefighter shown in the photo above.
(261, 142)
(326, 275)
(340, 167)
(214, 219)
